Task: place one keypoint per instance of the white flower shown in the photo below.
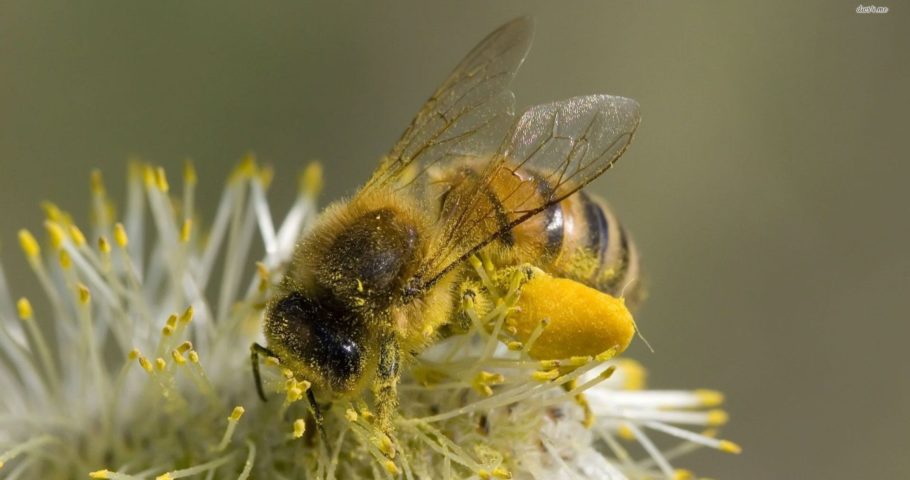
(136, 365)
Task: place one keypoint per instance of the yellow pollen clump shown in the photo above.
(194, 357)
(350, 415)
(160, 364)
(165, 476)
(102, 474)
(583, 321)
(299, 428)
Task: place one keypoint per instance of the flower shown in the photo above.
(136, 365)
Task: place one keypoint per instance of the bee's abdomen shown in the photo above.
(581, 239)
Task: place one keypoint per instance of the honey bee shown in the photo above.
(376, 279)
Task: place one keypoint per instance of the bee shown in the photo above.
(376, 279)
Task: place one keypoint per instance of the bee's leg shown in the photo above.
(317, 416)
(255, 351)
(385, 389)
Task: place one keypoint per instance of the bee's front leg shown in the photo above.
(385, 388)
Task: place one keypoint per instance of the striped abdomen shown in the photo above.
(578, 238)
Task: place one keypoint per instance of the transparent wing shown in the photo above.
(551, 152)
(470, 112)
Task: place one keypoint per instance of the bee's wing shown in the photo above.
(469, 113)
(551, 152)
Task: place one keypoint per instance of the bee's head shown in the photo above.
(318, 338)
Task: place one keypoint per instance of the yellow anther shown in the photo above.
(578, 361)
(608, 372)
(55, 232)
(77, 236)
(710, 398)
(290, 383)
(65, 261)
(161, 179)
(160, 364)
(102, 474)
(483, 475)
(294, 394)
(547, 375)
(728, 446)
(185, 347)
(246, 168)
(171, 321)
(311, 179)
(548, 364)
(145, 364)
(189, 173)
(359, 286)
(164, 476)
(120, 236)
(273, 361)
(265, 176)
(85, 295)
(391, 467)
(134, 354)
(186, 230)
(635, 375)
(299, 428)
(104, 246)
(683, 474)
(148, 176)
(385, 445)
(97, 182)
(350, 415)
(25, 309)
(490, 378)
(502, 473)
(178, 357)
(236, 413)
(187, 315)
(606, 354)
(194, 357)
(717, 418)
(515, 346)
(51, 211)
(29, 244)
(367, 415)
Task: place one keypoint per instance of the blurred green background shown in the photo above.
(767, 187)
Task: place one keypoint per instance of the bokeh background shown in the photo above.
(767, 187)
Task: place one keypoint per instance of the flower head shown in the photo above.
(136, 364)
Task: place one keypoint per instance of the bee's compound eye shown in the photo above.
(325, 336)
